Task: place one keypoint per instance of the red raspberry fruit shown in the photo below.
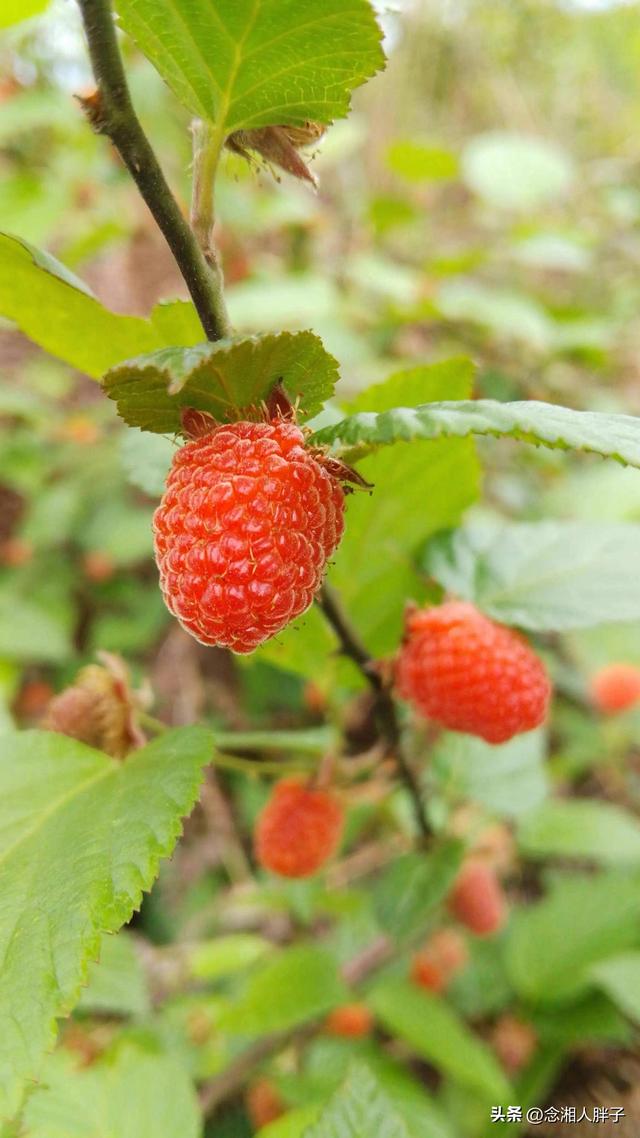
(615, 688)
(467, 673)
(477, 899)
(351, 1021)
(243, 533)
(298, 830)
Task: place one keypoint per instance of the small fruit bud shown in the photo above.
(98, 709)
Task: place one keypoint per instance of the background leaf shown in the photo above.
(619, 977)
(82, 836)
(544, 962)
(299, 984)
(57, 311)
(250, 63)
(221, 378)
(581, 828)
(413, 886)
(117, 982)
(545, 576)
(546, 424)
(516, 171)
(359, 1107)
(13, 11)
(436, 1033)
(509, 779)
(125, 1095)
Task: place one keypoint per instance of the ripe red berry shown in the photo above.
(243, 533)
(470, 674)
(298, 830)
(477, 899)
(351, 1021)
(444, 955)
(615, 688)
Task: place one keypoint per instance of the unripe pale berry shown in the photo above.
(615, 688)
(248, 521)
(299, 829)
(467, 673)
(351, 1021)
(477, 899)
(444, 955)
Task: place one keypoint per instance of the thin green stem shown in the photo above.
(111, 112)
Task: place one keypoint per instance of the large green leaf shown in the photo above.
(81, 837)
(126, 1095)
(221, 378)
(545, 424)
(435, 1032)
(582, 828)
(57, 311)
(250, 63)
(546, 576)
(359, 1107)
(300, 984)
(552, 945)
(509, 779)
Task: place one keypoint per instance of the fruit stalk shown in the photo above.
(111, 112)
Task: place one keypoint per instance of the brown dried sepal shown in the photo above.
(279, 146)
(98, 709)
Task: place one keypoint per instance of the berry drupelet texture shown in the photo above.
(298, 830)
(243, 533)
(467, 673)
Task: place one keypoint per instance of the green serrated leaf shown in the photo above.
(359, 1107)
(57, 311)
(81, 839)
(251, 63)
(126, 1095)
(581, 828)
(300, 984)
(545, 576)
(434, 1031)
(544, 963)
(221, 378)
(543, 424)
